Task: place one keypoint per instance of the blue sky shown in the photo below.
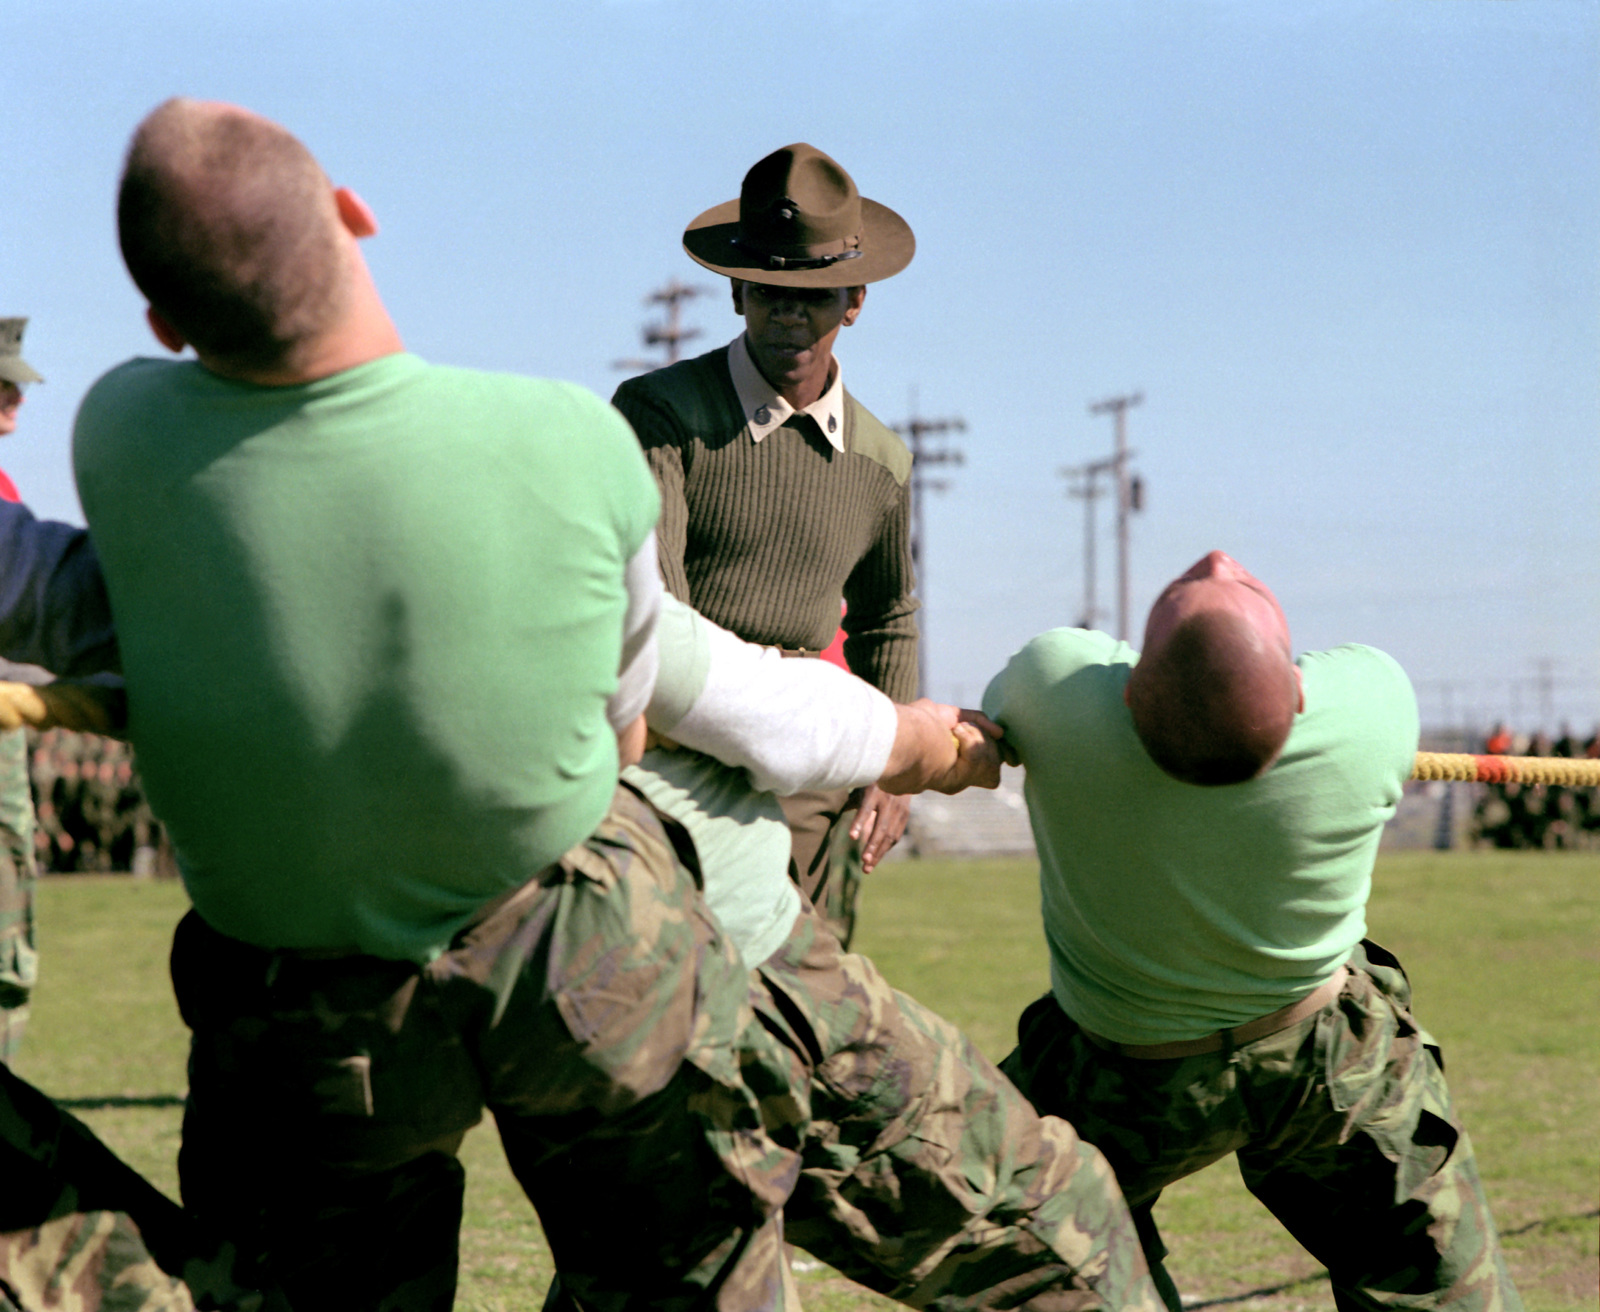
(1348, 251)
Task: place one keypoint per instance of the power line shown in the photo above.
(1088, 490)
(916, 430)
(668, 332)
(1130, 493)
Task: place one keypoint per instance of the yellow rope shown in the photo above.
(1571, 772)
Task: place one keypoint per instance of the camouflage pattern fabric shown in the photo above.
(80, 1230)
(926, 1176)
(85, 1262)
(1342, 1124)
(596, 1011)
(826, 862)
(19, 961)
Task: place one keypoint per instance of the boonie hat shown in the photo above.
(13, 368)
(800, 222)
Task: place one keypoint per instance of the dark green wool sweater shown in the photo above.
(765, 538)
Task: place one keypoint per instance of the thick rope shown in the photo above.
(1568, 771)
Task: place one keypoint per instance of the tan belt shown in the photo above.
(1227, 1040)
(798, 651)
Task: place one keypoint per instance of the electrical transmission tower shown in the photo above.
(667, 332)
(1130, 493)
(924, 455)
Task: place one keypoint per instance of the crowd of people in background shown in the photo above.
(1537, 815)
(92, 813)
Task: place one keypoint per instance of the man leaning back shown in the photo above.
(1207, 813)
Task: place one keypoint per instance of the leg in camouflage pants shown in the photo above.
(81, 1231)
(596, 1011)
(1342, 1124)
(927, 1176)
(19, 962)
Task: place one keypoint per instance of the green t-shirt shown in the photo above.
(739, 833)
(369, 625)
(1170, 910)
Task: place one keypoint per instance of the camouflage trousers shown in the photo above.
(81, 1231)
(926, 1176)
(601, 1017)
(19, 961)
(1343, 1128)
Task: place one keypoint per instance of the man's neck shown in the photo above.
(363, 333)
(315, 364)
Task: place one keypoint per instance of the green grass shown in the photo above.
(1503, 950)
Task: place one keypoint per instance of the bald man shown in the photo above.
(1207, 815)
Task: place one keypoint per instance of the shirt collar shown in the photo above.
(765, 410)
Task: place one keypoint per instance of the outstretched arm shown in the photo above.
(943, 749)
(799, 724)
(53, 606)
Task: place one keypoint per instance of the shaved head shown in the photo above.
(1216, 690)
(229, 228)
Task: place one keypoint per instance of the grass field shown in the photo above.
(1503, 950)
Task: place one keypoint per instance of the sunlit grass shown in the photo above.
(1503, 950)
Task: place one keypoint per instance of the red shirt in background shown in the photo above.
(833, 653)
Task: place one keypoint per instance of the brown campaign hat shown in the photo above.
(800, 222)
(13, 368)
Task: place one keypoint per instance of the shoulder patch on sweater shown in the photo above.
(872, 438)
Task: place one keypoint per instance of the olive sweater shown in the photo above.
(765, 538)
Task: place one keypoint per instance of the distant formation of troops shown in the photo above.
(92, 814)
(1521, 816)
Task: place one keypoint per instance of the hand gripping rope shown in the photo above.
(1570, 772)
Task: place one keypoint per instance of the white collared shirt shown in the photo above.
(764, 409)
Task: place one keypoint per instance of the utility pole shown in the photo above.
(1130, 494)
(1088, 490)
(668, 332)
(916, 430)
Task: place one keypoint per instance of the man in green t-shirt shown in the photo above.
(387, 630)
(1207, 814)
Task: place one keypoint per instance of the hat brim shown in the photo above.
(14, 369)
(886, 247)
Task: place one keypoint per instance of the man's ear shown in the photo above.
(1300, 683)
(852, 307)
(738, 296)
(165, 333)
(355, 213)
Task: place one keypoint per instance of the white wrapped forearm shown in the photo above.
(793, 724)
(636, 674)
